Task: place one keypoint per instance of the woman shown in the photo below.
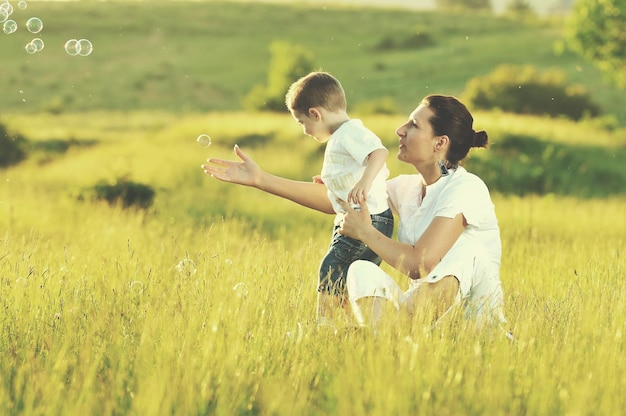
(449, 240)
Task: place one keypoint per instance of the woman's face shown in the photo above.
(417, 138)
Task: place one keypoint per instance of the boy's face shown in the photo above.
(311, 124)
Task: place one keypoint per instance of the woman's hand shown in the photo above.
(246, 172)
(356, 224)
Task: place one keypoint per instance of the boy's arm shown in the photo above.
(248, 173)
(375, 162)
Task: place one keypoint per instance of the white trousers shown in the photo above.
(480, 289)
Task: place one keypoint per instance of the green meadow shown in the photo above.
(207, 55)
(204, 302)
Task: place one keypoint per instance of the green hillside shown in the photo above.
(206, 56)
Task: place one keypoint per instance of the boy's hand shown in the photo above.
(359, 192)
(318, 179)
(245, 172)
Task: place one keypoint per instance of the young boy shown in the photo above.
(354, 167)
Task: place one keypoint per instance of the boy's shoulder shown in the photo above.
(355, 126)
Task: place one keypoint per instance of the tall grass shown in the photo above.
(204, 303)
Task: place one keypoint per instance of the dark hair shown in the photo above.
(317, 89)
(452, 118)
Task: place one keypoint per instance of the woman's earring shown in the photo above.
(442, 168)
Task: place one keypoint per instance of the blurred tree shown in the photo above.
(121, 191)
(288, 62)
(519, 7)
(597, 31)
(464, 4)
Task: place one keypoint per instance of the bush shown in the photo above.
(12, 148)
(121, 191)
(524, 90)
(288, 63)
(463, 4)
(525, 165)
(417, 39)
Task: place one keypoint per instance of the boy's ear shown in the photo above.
(315, 114)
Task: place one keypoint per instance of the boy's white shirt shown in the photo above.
(345, 159)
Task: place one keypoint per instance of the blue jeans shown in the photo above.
(343, 251)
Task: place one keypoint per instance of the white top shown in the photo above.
(345, 159)
(458, 193)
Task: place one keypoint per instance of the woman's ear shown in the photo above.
(442, 142)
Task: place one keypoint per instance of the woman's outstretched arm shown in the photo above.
(247, 172)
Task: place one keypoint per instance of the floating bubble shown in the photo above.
(136, 287)
(22, 5)
(84, 47)
(186, 267)
(241, 290)
(9, 27)
(31, 48)
(34, 25)
(6, 8)
(72, 47)
(3, 15)
(38, 43)
(204, 140)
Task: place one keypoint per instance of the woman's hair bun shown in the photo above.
(480, 139)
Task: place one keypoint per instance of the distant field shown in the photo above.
(206, 56)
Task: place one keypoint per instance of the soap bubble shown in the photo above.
(22, 5)
(204, 140)
(4, 15)
(34, 25)
(241, 290)
(6, 9)
(136, 287)
(37, 43)
(30, 48)
(186, 268)
(72, 47)
(9, 27)
(84, 47)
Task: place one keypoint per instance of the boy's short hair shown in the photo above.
(317, 89)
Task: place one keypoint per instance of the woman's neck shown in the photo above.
(430, 174)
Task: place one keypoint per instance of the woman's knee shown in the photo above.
(434, 298)
(357, 271)
(447, 290)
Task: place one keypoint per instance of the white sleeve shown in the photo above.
(360, 146)
(467, 195)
